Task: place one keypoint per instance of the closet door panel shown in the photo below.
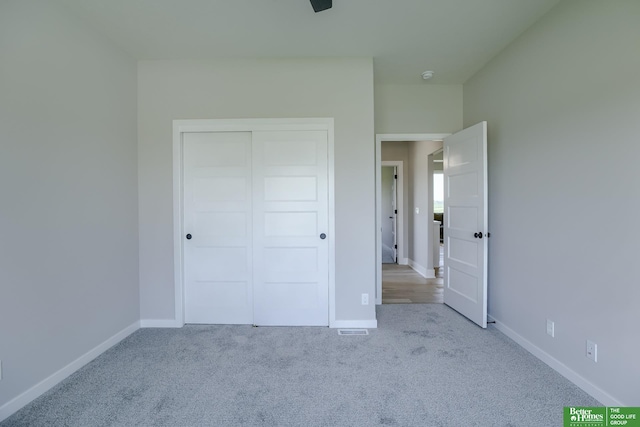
(217, 207)
(290, 200)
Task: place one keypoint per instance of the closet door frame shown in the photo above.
(243, 125)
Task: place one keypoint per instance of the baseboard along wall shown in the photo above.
(45, 385)
(590, 388)
(427, 273)
(355, 324)
(160, 323)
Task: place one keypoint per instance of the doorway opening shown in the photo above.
(412, 275)
(466, 221)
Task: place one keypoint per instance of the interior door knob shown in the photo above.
(477, 235)
(323, 236)
(188, 236)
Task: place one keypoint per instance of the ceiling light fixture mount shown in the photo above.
(426, 75)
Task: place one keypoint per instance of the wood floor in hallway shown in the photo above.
(403, 285)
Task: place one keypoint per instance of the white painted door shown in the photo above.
(217, 207)
(394, 213)
(290, 227)
(465, 224)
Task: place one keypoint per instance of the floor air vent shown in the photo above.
(353, 332)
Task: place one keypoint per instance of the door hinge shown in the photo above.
(395, 176)
(395, 246)
(396, 212)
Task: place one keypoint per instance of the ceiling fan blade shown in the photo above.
(320, 5)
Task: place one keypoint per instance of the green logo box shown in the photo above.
(600, 416)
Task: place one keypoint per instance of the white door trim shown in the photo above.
(243, 125)
(399, 204)
(378, 164)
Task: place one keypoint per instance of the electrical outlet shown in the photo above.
(365, 299)
(592, 350)
(551, 328)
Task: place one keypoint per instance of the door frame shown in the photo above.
(244, 125)
(380, 138)
(399, 164)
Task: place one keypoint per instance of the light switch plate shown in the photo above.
(551, 328)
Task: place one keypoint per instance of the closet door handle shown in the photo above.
(188, 236)
(323, 236)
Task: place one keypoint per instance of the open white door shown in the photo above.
(465, 223)
(394, 214)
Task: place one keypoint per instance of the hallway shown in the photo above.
(403, 285)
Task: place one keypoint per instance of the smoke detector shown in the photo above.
(426, 75)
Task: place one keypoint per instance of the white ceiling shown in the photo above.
(455, 38)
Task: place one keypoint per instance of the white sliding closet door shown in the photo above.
(256, 225)
(217, 227)
(290, 226)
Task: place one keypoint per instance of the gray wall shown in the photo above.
(68, 186)
(563, 110)
(418, 108)
(421, 196)
(339, 88)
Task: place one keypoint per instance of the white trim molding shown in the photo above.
(355, 324)
(596, 392)
(45, 385)
(160, 323)
(241, 125)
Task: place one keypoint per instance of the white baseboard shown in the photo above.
(596, 392)
(43, 386)
(427, 273)
(362, 324)
(160, 323)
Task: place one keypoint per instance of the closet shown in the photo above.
(255, 224)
